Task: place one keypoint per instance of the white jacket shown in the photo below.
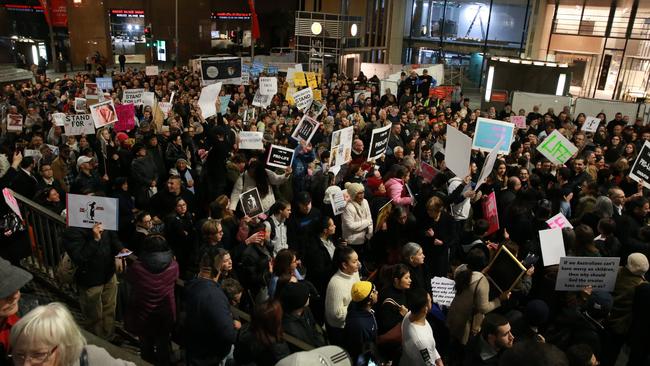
(357, 222)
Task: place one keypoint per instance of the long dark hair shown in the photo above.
(258, 171)
(266, 322)
(476, 261)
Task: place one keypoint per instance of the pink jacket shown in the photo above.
(397, 192)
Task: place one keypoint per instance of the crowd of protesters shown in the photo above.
(300, 270)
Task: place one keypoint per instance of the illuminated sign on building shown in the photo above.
(231, 16)
(24, 8)
(127, 13)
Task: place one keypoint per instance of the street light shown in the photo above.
(316, 28)
(353, 30)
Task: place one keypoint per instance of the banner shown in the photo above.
(207, 99)
(341, 147)
(640, 171)
(151, 70)
(91, 90)
(86, 211)
(557, 148)
(457, 152)
(79, 124)
(591, 124)
(576, 273)
(379, 142)
(558, 222)
(551, 242)
(103, 113)
(303, 98)
(490, 213)
(489, 132)
(224, 70)
(125, 117)
(104, 84)
(80, 105)
(133, 96)
(15, 122)
(443, 290)
(306, 129)
(268, 85)
(251, 140)
(280, 157)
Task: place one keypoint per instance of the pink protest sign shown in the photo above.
(490, 213)
(11, 202)
(519, 121)
(125, 117)
(558, 222)
(427, 172)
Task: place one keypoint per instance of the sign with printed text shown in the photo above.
(79, 124)
(519, 121)
(280, 157)
(133, 96)
(10, 200)
(306, 129)
(576, 273)
(125, 117)
(251, 140)
(148, 99)
(640, 171)
(490, 213)
(303, 98)
(443, 290)
(268, 85)
(489, 132)
(103, 113)
(58, 118)
(105, 84)
(86, 211)
(15, 122)
(379, 142)
(339, 200)
(558, 221)
(557, 148)
(552, 244)
(591, 124)
(261, 100)
(151, 70)
(245, 78)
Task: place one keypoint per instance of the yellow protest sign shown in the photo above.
(299, 79)
(290, 92)
(317, 94)
(311, 80)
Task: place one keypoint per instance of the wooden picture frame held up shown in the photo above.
(504, 270)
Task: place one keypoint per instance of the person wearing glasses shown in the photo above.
(49, 336)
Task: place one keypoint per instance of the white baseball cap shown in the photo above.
(323, 356)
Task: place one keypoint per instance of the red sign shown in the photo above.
(490, 213)
(441, 92)
(125, 117)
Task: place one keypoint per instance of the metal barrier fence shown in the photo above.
(45, 228)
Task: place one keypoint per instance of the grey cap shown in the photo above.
(13, 278)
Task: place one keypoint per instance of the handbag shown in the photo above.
(11, 222)
(394, 335)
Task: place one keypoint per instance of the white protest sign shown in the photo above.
(207, 99)
(280, 157)
(132, 96)
(151, 70)
(15, 122)
(443, 290)
(103, 113)
(10, 200)
(341, 147)
(268, 85)
(558, 221)
(488, 165)
(148, 99)
(552, 244)
(306, 129)
(303, 98)
(557, 148)
(245, 78)
(457, 152)
(86, 211)
(338, 201)
(79, 124)
(251, 140)
(640, 171)
(379, 142)
(261, 100)
(58, 118)
(591, 124)
(576, 273)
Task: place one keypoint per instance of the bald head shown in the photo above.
(514, 183)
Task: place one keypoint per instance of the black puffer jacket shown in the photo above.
(95, 260)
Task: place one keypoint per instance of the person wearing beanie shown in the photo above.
(356, 219)
(629, 278)
(360, 323)
(297, 319)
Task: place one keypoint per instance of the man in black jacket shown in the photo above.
(297, 319)
(25, 183)
(93, 251)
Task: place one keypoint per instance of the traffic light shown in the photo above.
(147, 32)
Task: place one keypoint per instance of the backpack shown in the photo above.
(66, 270)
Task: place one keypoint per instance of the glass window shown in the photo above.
(621, 18)
(436, 15)
(507, 22)
(568, 17)
(641, 27)
(595, 18)
(466, 21)
(419, 25)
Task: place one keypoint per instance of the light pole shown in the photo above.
(55, 60)
(176, 36)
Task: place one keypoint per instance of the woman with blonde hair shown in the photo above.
(49, 336)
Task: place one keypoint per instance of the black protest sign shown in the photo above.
(251, 202)
(379, 142)
(640, 171)
(306, 129)
(279, 157)
(225, 70)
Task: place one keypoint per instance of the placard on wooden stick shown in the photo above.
(505, 270)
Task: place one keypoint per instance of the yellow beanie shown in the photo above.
(361, 290)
